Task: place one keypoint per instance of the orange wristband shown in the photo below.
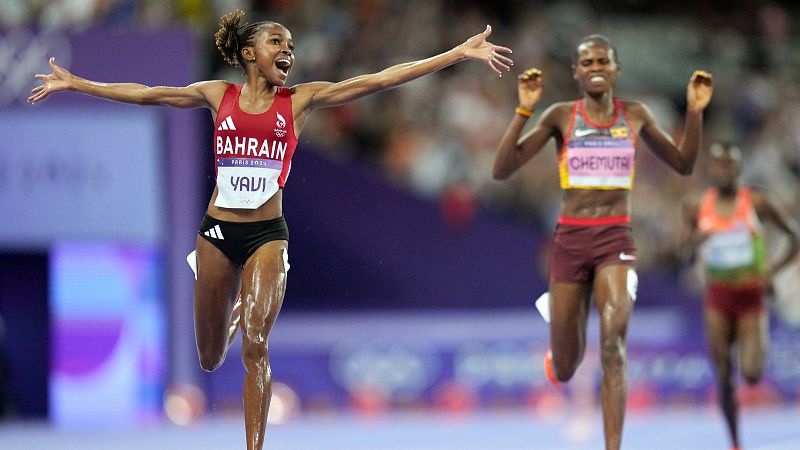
(523, 111)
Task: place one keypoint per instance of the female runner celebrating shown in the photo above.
(243, 239)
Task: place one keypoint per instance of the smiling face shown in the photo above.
(273, 53)
(596, 68)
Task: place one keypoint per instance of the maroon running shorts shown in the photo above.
(735, 302)
(581, 247)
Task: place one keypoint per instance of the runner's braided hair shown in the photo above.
(232, 36)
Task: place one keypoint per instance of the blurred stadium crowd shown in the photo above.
(437, 136)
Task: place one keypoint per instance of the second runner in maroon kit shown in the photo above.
(596, 137)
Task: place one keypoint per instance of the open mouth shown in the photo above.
(597, 79)
(283, 65)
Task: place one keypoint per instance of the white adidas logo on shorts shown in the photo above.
(215, 233)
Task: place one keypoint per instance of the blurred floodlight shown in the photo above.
(184, 403)
(284, 406)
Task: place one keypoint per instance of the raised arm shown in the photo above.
(206, 94)
(681, 157)
(769, 211)
(513, 151)
(324, 94)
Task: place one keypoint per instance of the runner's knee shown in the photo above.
(752, 372)
(564, 368)
(612, 352)
(254, 349)
(211, 358)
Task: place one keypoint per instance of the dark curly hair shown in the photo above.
(232, 37)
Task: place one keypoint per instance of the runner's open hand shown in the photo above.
(478, 48)
(58, 80)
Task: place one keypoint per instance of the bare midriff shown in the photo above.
(595, 203)
(272, 209)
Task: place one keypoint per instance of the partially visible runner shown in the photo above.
(593, 252)
(242, 242)
(725, 226)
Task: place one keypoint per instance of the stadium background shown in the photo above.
(413, 272)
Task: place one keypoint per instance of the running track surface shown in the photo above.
(685, 429)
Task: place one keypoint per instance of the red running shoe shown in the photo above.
(548, 368)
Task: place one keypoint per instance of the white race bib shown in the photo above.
(729, 249)
(246, 183)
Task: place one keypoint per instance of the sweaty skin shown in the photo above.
(596, 70)
(262, 280)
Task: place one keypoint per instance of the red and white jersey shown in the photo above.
(252, 152)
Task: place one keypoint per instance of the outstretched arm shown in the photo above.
(513, 151)
(769, 211)
(206, 94)
(324, 94)
(681, 157)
